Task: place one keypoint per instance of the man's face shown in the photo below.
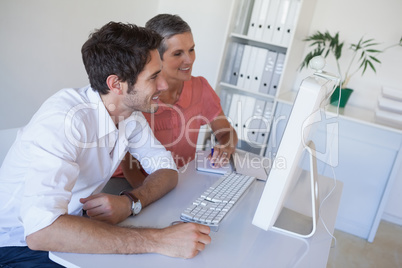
(150, 83)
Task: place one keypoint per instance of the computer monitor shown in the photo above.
(271, 214)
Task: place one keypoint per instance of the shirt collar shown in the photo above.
(106, 124)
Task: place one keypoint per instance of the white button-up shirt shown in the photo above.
(69, 150)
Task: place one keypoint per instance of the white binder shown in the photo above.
(277, 74)
(290, 22)
(233, 115)
(251, 67)
(268, 71)
(270, 20)
(243, 66)
(280, 21)
(255, 122)
(226, 100)
(261, 19)
(231, 56)
(234, 75)
(247, 109)
(258, 69)
(254, 19)
(265, 125)
(241, 23)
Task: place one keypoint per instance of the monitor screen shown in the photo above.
(271, 213)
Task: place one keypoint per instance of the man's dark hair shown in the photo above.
(167, 25)
(119, 49)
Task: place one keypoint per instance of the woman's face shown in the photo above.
(179, 57)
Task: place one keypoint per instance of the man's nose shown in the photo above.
(161, 83)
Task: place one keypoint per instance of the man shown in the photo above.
(63, 158)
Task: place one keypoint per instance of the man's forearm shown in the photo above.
(156, 185)
(82, 235)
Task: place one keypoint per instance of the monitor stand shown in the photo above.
(292, 218)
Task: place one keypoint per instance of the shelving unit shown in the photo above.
(253, 126)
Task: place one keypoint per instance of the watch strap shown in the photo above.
(132, 197)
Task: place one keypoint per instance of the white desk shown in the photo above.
(237, 243)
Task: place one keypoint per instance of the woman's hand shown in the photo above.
(220, 155)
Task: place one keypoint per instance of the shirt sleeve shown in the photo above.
(51, 175)
(147, 149)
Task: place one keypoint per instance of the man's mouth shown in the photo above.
(156, 96)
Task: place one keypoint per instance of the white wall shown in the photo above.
(208, 20)
(41, 42)
(379, 19)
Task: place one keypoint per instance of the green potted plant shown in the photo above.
(364, 56)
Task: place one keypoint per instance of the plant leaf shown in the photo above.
(365, 66)
(372, 44)
(373, 50)
(367, 41)
(375, 59)
(372, 66)
(361, 56)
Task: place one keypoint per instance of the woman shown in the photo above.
(187, 104)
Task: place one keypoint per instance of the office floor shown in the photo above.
(385, 251)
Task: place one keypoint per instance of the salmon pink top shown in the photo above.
(177, 126)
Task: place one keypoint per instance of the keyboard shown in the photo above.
(212, 205)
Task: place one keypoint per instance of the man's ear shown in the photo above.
(114, 84)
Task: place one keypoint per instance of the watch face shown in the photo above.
(137, 207)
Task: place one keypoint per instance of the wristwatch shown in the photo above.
(136, 203)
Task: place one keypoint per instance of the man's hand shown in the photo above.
(114, 209)
(107, 208)
(183, 240)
